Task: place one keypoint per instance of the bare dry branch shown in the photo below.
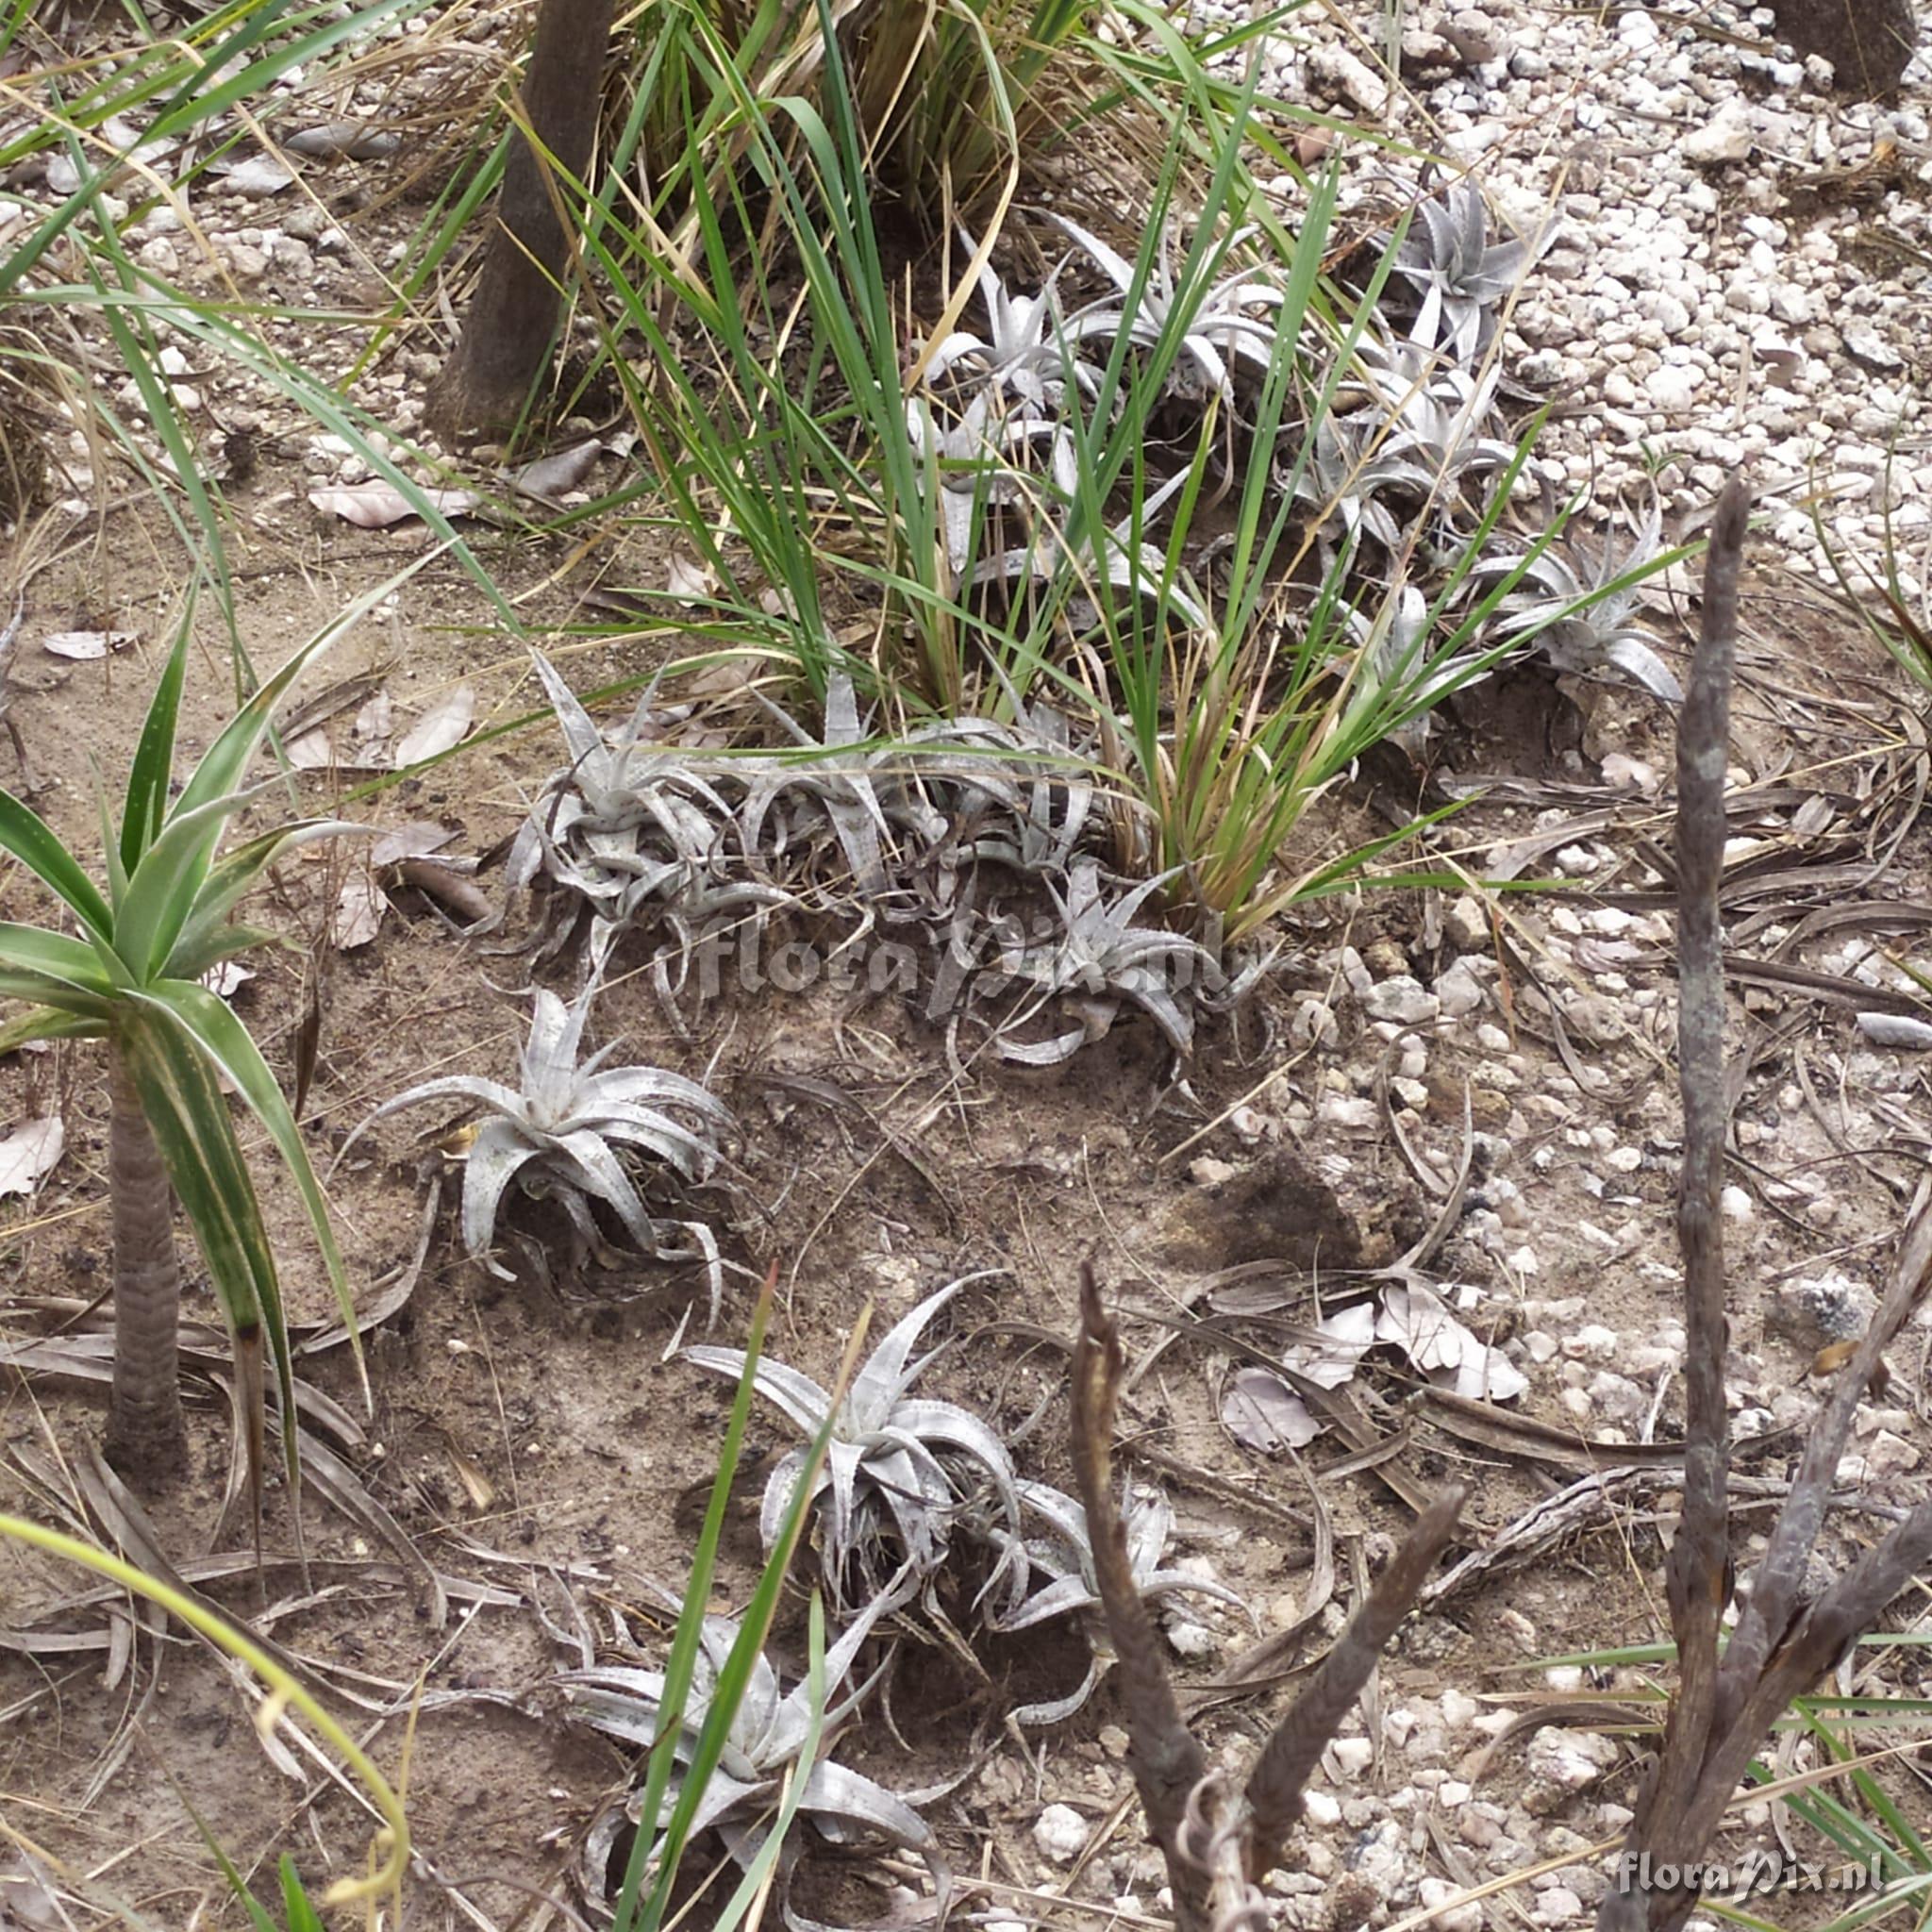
(1216, 1850)
(1784, 1643)
(1275, 1788)
(1698, 1574)
(1167, 1761)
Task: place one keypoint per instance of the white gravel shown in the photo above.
(1702, 304)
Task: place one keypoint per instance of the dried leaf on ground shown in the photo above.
(1347, 1335)
(561, 469)
(377, 505)
(1260, 1409)
(258, 177)
(358, 912)
(440, 728)
(354, 139)
(86, 645)
(226, 977)
(1417, 1321)
(312, 752)
(28, 1152)
(416, 839)
(688, 578)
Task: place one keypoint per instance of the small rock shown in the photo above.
(1459, 1710)
(246, 263)
(1558, 1906)
(1617, 1398)
(1810, 1312)
(1403, 1000)
(1727, 135)
(1060, 1833)
(1735, 1203)
(1314, 1024)
(1672, 387)
(1209, 1173)
(1191, 1640)
(1341, 75)
(1868, 346)
(1353, 1754)
(1889, 1454)
(1356, 1113)
(1561, 1762)
(1466, 926)
(1458, 991)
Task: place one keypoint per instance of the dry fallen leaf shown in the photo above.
(440, 728)
(257, 176)
(358, 912)
(480, 1489)
(688, 578)
(28, 1152)
(1349, 1334)
(1417, 1321)
(416, 839)
(376, 504)
(312, 752)
(1261, 1411)
(354, 139)
(226, 977)
(86, 644)
(561, 469)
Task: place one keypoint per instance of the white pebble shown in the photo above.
(1060, 1833)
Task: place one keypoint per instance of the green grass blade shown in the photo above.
(302, 1916)
(754, 1628)
(679, 1665)
(221, 766)
(759, 1871)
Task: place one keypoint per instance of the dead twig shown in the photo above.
(1217, 1844)
(1784, 1642)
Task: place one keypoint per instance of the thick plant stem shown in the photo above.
(512, 315)
(147, 1442)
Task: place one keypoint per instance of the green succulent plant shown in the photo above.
(767, 1732)
(898, 1468)
(131, 973)
(564, 1133)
